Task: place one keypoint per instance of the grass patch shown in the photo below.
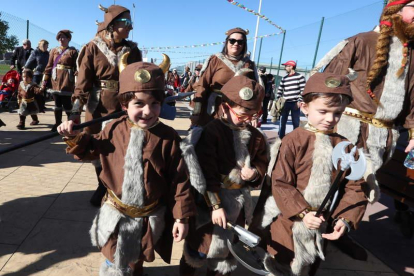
(4, 68)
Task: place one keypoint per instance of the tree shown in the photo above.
(7, 43)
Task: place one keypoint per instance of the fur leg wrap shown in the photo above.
(193, 261)
(275, 268)
(110, 270)
(271, 211)
(223, 266)
(128, 246)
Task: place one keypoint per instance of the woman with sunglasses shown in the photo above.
(98, 79)
(60, 70)
(217, 70)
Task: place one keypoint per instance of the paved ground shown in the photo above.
(45, 214)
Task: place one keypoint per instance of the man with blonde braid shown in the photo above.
(384, 91)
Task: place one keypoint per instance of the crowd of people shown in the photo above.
(156, 188)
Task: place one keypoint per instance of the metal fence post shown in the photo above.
(27, 30)
(280, 59)
(260, 50)
(271, 63)
(317, 43)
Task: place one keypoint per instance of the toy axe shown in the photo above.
(348, 161)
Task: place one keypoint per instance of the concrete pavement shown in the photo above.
(45, 212)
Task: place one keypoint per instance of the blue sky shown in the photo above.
(184, 22)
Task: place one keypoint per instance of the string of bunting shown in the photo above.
(202, 45)
(255, 13)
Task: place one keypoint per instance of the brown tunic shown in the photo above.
(62, 79)
(28, 92)
(97, 62)
(290, 178)
(216, 155)
(216, 74)
(165, 174)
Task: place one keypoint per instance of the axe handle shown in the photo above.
(332, 190)
(54, 134)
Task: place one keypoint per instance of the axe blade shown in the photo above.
(250, 258)
(348, 161)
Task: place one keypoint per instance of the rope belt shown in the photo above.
(63, 67)
(368, 118)
(228, 184)
(129, 210)
(110, 84)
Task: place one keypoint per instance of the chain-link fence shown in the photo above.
(21, 29)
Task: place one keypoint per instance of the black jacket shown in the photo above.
(20, 55)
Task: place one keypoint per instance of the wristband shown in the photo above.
(302, 214)
(216, 207)
(411, 133)
(182, 220)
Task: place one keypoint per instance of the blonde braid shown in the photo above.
(383, 47)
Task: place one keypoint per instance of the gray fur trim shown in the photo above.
(191, 261)
(258, 78)
(23, 109)
(393, 94)
(111, 56)
(369, 176)
(94, 98)
(274, 151)
(104, 123)
(308, 245)
(349, 127)
(321, 172)
(106, 270)
(229, 64)
(59, 92)
(222, 266)
(54, 73)
(270, 212)
(329, 56)
(104, 225)
(157, 223)
(128, 247)
(133, 189)
(205, 65)
(241, 139)
(188, 152)
(25, 87)
(275, 268)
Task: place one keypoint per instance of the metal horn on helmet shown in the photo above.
(97, 22)
(165, 64)
(122, 64)
(102, 8)
(352, 75)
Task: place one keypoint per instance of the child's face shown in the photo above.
(10, 81)
(26, 78)
(143, 110)
(238, 115)
(320, 115)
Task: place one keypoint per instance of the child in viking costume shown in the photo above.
(301, 179)
(97, 83)
(233, 157)
(61, 69)
(144, 173)
(26, 96)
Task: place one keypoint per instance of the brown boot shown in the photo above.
(35, 120)
(21, 124)
(58, 119)
(216, 273)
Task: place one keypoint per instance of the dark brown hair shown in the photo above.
(332, 99)
(28, 72)
(125, 98)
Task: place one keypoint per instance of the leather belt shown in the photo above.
(63, 67)
(368, 118)
(110, 84)
(228, 184)
(129, 210)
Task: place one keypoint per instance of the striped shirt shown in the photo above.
(291, 86)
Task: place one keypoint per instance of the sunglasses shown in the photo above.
(128, 22)
(239, 41)
(244, 118)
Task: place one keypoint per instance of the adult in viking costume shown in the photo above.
(61, 69)
(383, 93)
(216, 71)
(98, 77)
